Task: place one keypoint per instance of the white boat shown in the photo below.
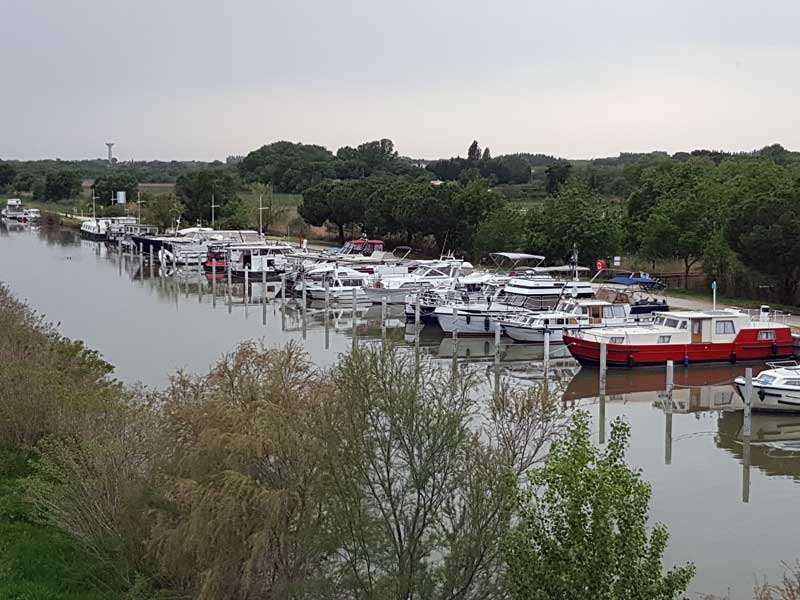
(32, 215)
(777, 389)
(569, 315)
(97, 229)
(14, 210)
(258, 259)
(336, 283)
(394, 288)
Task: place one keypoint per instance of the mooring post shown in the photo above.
(303, 290)
(497, 334)
(416, 315)
(327, 327)
(748, 403)
(668, 413)
(283, 289)
(246, 294)
(603, 365)
(263, 295)
(383, 319)
(546, 348)
(355, 330)
(214, 283)
(327, 285)
(455, 328)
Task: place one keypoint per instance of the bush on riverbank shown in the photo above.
(269, 477)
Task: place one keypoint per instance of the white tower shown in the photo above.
(110, 145)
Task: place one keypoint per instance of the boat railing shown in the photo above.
(771, 316)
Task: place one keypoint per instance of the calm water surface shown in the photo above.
(729, 508)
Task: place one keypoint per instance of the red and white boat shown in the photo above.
(686, 337)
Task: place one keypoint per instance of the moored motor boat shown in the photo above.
(776, 389)
(687, 337)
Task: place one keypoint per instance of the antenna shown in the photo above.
(110, 155)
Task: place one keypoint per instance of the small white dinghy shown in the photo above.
(777, 389)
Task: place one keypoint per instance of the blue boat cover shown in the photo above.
(633, 281)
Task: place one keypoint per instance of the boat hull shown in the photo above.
(532, 335)
(770, 398)
(622, 355)
(93, 236)
(464, 323)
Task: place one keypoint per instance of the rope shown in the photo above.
(683, 386)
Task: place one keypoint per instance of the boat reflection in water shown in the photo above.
(774, 441)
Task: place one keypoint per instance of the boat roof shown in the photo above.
(517, 256)
(363, 241)
(561, 269)
(703, 314)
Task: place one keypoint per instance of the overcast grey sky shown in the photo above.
(204, 79)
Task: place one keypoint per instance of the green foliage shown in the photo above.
(584, 528)
(196, 189)
(61, 185)
(287, 166)
(161, 210)
(106, 186)
(576, 217)
(765, 233)
(503, 230)
(557, 175)
(7, 174)
(39, 562)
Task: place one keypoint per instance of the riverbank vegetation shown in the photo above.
(691, 217)
(271, 478)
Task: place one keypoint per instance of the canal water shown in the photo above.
(729, 508)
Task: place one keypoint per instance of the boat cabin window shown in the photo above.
(683, 325)
(351, 282)
(617, 340)
(725, 327)
(793, 382)
(671, 323)
(766, 335)
(767, 379)
(664, 339)
(614, 311)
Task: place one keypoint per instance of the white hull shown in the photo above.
(337, 295)
(771, 398)
(534, 335)
(470, 323)
(392, 296)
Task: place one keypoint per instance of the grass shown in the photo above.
(39, 562)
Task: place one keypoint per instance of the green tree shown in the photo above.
(61, 185)
(106, 186)
(474, 151)
(195, 190)
(583, 533)
(7, 174)
(503, 230)
(161, 210)
(487, 154)
(557, 175)
(679, 227)
(576, 217)
(24, 182)
(287, 166)
(765, 233)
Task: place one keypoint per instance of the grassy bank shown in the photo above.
(729, 300)
(38, 562)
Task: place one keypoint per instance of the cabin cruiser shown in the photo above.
(568, 315)
(395, 288)
(686, 337)
(199, 235)
(97, 229)
(31, 215)
(538, 292)
(123, 232)
(475, 287)
(334, 282)
(14, 210)
(268, 260)
(636, 290)
(776, 389)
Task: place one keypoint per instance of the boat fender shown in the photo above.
(630, 360)
(469, 319)
(733, 358)
(685, 360)
(774, 348)
(486, 324)
(761, 394)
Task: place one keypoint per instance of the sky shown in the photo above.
(200, 79)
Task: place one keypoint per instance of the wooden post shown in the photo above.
(748, 403)
(214, 284)
(355, 329)
(668, 413)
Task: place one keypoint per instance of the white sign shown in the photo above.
(121, 197)
(617, 261)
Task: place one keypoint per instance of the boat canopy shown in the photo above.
(517, 256)
(561, 269)
(643, 281)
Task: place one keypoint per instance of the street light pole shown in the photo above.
(139, 203)
(213, 206)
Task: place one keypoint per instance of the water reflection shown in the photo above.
(689, 445)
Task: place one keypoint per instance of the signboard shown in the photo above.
(617, 261)
(121, 197)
